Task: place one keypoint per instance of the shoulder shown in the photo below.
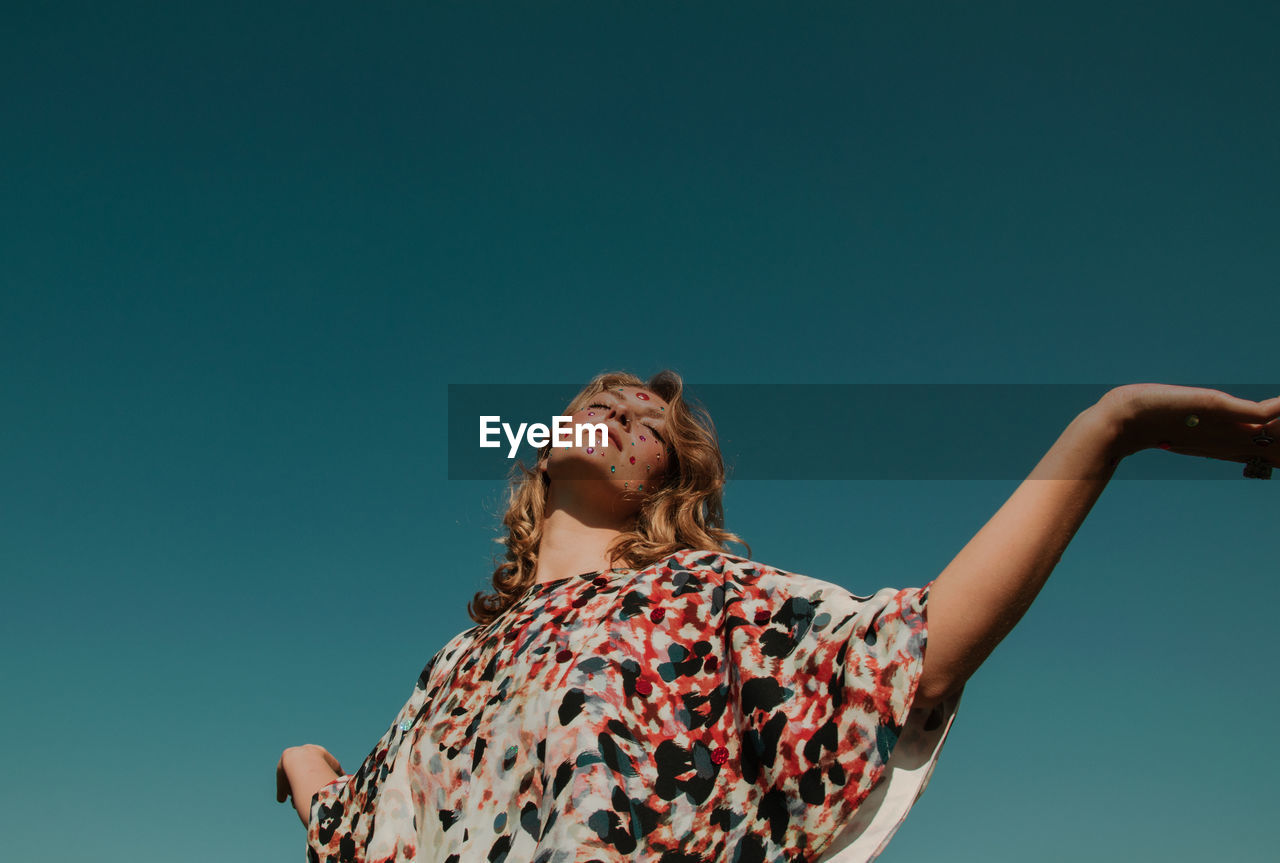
(718, 563)
(447, 656)
(743, 571)
(740, 575)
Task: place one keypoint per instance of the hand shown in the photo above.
(308, 752)
(1155, 415)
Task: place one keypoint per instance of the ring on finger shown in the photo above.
(1257, 468)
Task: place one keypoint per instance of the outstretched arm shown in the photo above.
(987, 588)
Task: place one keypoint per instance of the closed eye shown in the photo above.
(660, 438)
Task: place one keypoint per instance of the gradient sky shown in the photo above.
(245, 247)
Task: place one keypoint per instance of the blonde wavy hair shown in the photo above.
(686, 512)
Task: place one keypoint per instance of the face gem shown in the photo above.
(642, 487)
(633, 459)
(612, 468)
(644, 397)
(641, 437)
(590, 450)
(591, 413)
(646, 467)
(626, 485)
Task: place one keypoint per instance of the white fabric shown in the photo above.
(907, 773)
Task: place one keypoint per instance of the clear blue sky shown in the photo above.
(245, 247)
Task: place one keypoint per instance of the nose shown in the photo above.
(620, 413)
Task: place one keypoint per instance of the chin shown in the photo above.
(575, 465)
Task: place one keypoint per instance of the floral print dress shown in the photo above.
(706, 708)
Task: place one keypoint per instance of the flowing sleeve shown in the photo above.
(369, 814)
(827, 685)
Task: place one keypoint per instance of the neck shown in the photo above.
(575, 539)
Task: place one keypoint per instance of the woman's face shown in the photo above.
(634, 461)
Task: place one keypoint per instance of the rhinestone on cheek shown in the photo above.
(644, 397)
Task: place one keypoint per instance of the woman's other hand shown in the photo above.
(1193, 421)
(301, 772)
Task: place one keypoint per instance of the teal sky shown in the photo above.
(244, 249)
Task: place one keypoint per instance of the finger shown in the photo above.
(1239, 443)
(1226, 406)
(284, 786)
(1214, 437)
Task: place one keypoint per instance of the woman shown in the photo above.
(633, 691)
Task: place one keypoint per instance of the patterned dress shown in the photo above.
(706, 708)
